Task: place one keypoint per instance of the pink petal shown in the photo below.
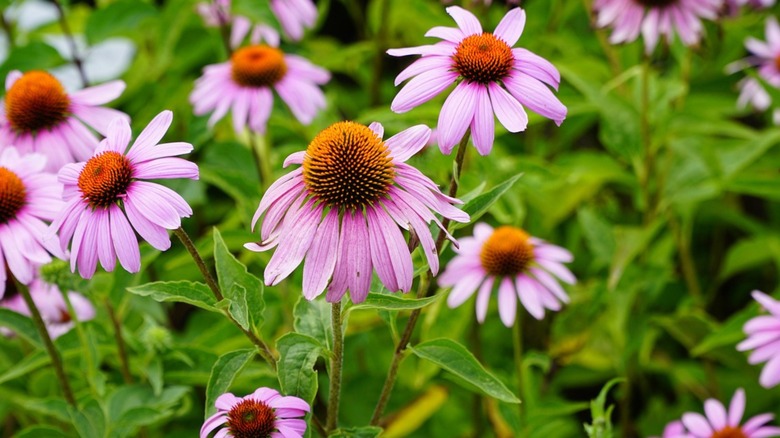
(511, 26)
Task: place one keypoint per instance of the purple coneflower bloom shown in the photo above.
(295, 16)
(243, 85)
(38, 115)
(764, 339)
(654, 18)
(217, 14)
(344, 208)
(50, 303)
(264, 413)
(766, 55)
(28, 197)
(521, 265)
(102, 193)
(496, 79)
(720, 423)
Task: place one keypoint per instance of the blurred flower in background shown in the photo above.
(675, 429)
(54, 311)
(243, 86)
(350, 177)
(521, 265)
(38, 115)
(764, 339)
(102, 193)
(654, 18)
(497, 79)
(217, 14)
(766, 57)
(29, 197)
(295, 16)
(264, 413)
(720, 423)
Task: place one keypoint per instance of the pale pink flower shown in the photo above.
(491, 77)
(107, 190)
(29, 198)
(765, 56)
(244, 86)
(50, 303)
(217, 13)
(38, 115)
(264, 413)
(344, 210)
(764, 339)
(295, 16)
(521, 266)
(654, 18)
(721, 423)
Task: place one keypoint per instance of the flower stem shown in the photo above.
(263, 348)
(88, 357)
(72, 42)
(262, 156)
(517, 339)
(124, 364)
(56, 360)
(336, 361)
(427, 286)
(647, 144)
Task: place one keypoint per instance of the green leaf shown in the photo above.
(40, 431)
(34, 56)
(456, 359)
(244, 290)
(482, 203)
(379, 301)
(89, 420)
(750, 253)
(313, 318)
(223, 373)
(602, 421)
(356, 432)
(197, 294)
(124, 17)
(298, 353)
(21, 325)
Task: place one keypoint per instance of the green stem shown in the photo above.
(647, 145)
(262, 156)
(682, 239)
(56, 360)
(379, 56)
(72, 42)
(517, 339)
(263, 348)
(336, 361)
(124, 363)
(82, 340)
(426, 287)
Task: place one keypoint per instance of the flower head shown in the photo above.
(216, 13)
(295, 16)
(54, 311)
(107, 190)
(263, 414)
(494, 79)
(654, 18)
(344, 209)
(764, 339)
(720, 423)
(766, 56)
(521, 265)
(29, 197)
(243, 85)
(38, 115)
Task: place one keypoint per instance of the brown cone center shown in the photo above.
(251, 419)
(348, 166)
(483, 58)
(104, 178)
(729, 432)
(507, 252)
(656, 3)
(258, 66)
(36, 101)
(12, 195)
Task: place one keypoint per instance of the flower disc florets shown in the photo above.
(12, 195)
(483, 58)
(729, 432)
(251, 419)
(258, 66)
(348, 166)
(507, 252)
(104, 178)
(656, 3)
(37, 100)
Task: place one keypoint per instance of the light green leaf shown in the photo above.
(393, 302)
(244, 290)
(313, 318)
(482, 203)
(456, 359)
(223, 373)
(197, 294)
(120, 18)
(298, 353)
(356, 432)
(601, 415)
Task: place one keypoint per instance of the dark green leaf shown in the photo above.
(298, 353)
(394, 302)
(313, 318)
(223, 373)
(21, 325)
(356, 432)
(482, 203)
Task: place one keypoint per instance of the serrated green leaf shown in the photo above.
(224, 371)
(456, 359)
(482, 203)
(196, 294)
(297, 355)
(244, 290)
